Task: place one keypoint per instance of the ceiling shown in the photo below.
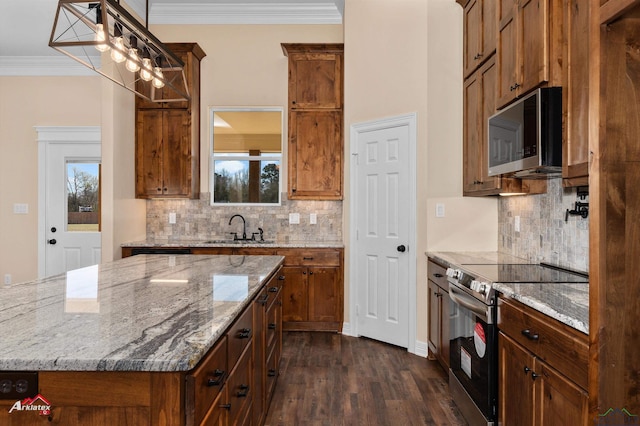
(25, 25)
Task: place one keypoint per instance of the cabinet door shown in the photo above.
(575, 94)
(433, 299)
(149, 133)
(324, 299)
(445, 328)
(507, 51)
(472, 35)
(533, 54)
(315, 154)
(558, 400)
(479, 104)
(176, 161)
(515, 386)
(315, 80)
(294, 294)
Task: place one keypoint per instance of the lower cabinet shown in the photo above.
(439, 313)
(233, 384)
(542, 369)
(313, 290)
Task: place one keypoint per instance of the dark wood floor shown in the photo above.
(332, 379)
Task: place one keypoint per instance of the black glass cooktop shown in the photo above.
(525, 273)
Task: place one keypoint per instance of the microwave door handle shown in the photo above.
(465, 301)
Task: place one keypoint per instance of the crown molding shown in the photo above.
(14, 66)
(246, 13)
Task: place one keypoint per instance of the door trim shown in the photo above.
(51, 135)
(408, 120)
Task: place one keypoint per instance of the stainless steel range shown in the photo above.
(473, 373)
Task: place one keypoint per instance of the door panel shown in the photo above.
(383, 227)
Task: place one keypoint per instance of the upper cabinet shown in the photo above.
(575, 94)
(168, 136)
(479, 32)
(529, 47)
(315, 149)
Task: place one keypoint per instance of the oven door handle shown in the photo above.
(468, 302)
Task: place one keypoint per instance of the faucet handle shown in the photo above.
(235, 235)
(261, 234)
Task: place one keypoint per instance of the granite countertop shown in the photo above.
(565, 302)
(232, 243)
(142, 313)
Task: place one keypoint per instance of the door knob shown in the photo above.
(402, 248)
(52, 241)
(53, 229)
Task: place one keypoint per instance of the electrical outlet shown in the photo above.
(20, 208)
(7, 279)
(313, 218)
(439, 210)
(172, 217)
(516, 224)
(294, 218)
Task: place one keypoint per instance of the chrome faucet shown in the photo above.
(244, 227)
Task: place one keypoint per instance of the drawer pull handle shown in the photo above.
(244, 390)
(272, 326)
(271, 372)
(245, 333)
(307, 258)
(531, 336)
(263, 300)
(273, 289)
(219, 378)
(281, 278)
(437, 275)
(534, 375)
(526, 369)
(226, 406)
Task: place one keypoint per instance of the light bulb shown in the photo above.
(116, 52)
(132, 61)
(145, 71)
(157, 83)
(101, 37)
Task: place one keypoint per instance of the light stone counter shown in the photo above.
(565, 302)
(142, 313)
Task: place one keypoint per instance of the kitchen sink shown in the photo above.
(238, 242)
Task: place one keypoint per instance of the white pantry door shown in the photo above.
(383, 222)
(70, 209)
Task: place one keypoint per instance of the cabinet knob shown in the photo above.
(226, 406)
(218, 378)
(244, 390)
(245, 333)
(281, 278)
(273, 289)
(438, 275)
(271, 372)
(272, 326)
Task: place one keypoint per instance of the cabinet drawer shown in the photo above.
(216, 414)
(208, 379)
(562, 347)
(310, 257)
(273, 370)
(274, 322)
(438, 274)
(239, 336)
(274, 287)
(239, 387)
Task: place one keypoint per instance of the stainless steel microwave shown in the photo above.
(525, 138)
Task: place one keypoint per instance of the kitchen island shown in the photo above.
(123, 342)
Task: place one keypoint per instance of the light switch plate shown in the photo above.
(439, 210)
(313, 218)
(294, 218)
(20, 208)
(172, 217)
(516, 224)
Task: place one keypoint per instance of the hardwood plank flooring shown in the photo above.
(332, 379)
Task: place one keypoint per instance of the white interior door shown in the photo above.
(384, 222)
(70, 204)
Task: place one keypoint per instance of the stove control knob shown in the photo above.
(479, 286)
(452, 273)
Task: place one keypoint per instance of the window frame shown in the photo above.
(213, 158)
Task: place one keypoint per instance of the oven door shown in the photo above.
(473, 357)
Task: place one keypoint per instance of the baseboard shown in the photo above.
(421, 349)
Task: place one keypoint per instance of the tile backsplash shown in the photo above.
(544, 235)
(198, 220)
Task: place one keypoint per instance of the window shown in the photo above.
(246, 155)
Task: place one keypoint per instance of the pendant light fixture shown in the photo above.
(105, 37)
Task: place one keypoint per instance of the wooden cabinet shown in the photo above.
(529, 47)
(542, 369)
(479, 105)
(315, 150)
(575, 93)
(168, 137)
(439, 313)
(267, 345)
(479, 32)
(313, 289)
